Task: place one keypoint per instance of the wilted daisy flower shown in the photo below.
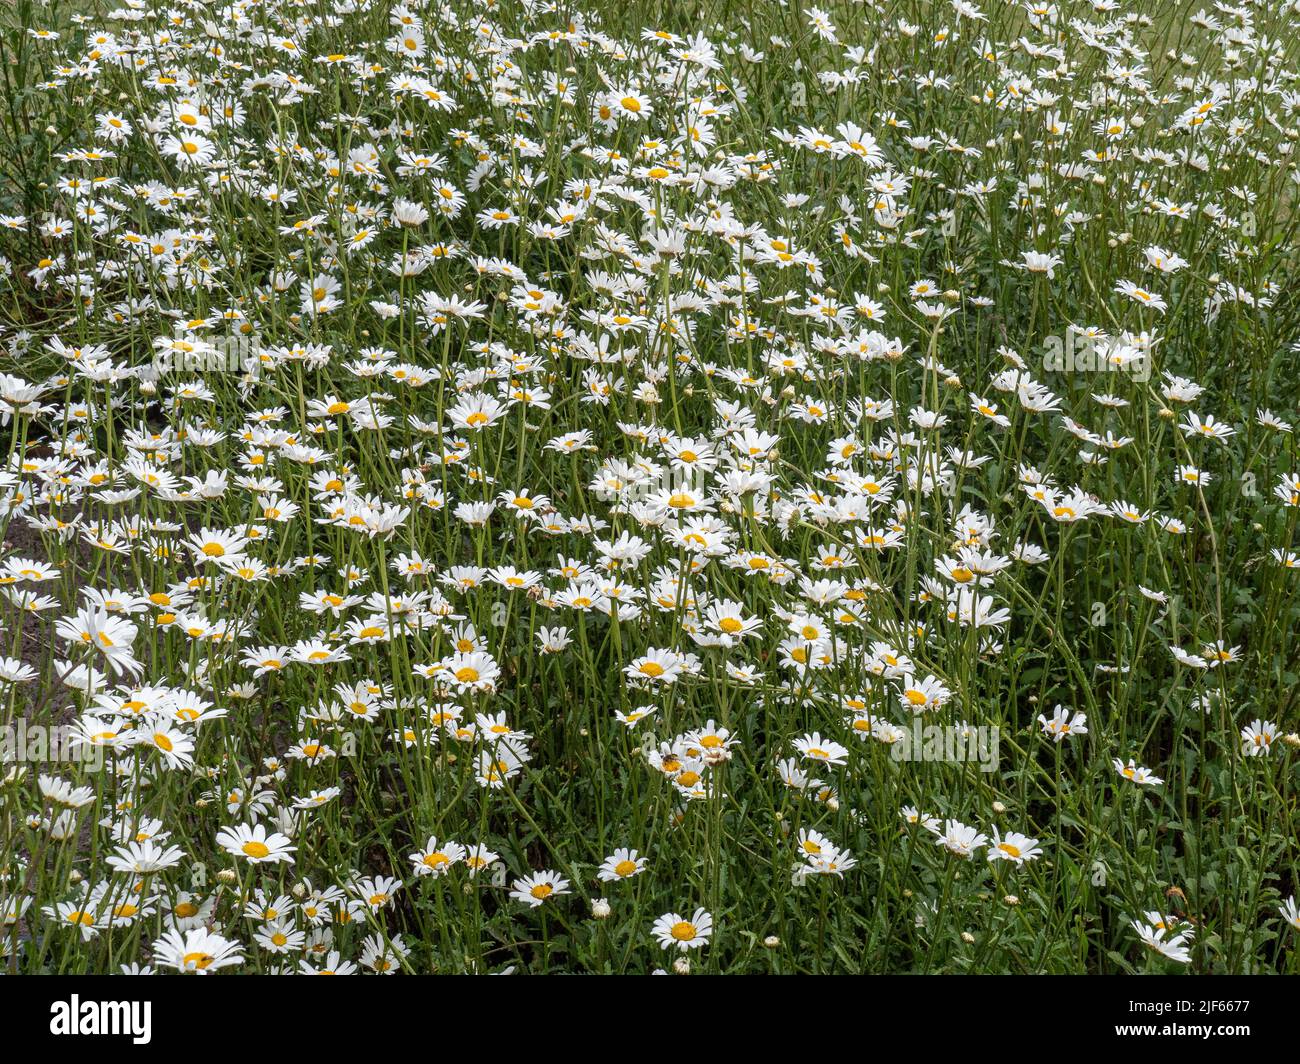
(959, 839)
(1167, 944)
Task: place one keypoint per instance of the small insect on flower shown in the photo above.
(539, 887)
(196, 951)
(437, 860)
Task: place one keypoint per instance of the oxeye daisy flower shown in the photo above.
(310, 750)
(537, 888)
(78, 915)
(375, 892)
(1208, 428)
(436, 860)
(1171, 945)
(190, 149)
(317, 798)
(476, 412)
(959, 839)
(811, 843)
(674, 930)
(920, 695)
(621, 864)
(333, 964)
(629, 103)
(814, 748)
(474, 671)
(833, 861)
(1013, 847)
(61, 792)
(280, 937)
(1141, 296)
(1257, 738)
(218, 545)
(1218, 653)
(108, 636)
(655, 666)
(253, 843)
(479, 858)
(555, 422)
(317, 652)
(1037, 262)
(1063, 723)
(196, 951)
(176, 747)
(1136, 773)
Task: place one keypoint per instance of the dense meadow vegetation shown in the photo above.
(625, 487)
